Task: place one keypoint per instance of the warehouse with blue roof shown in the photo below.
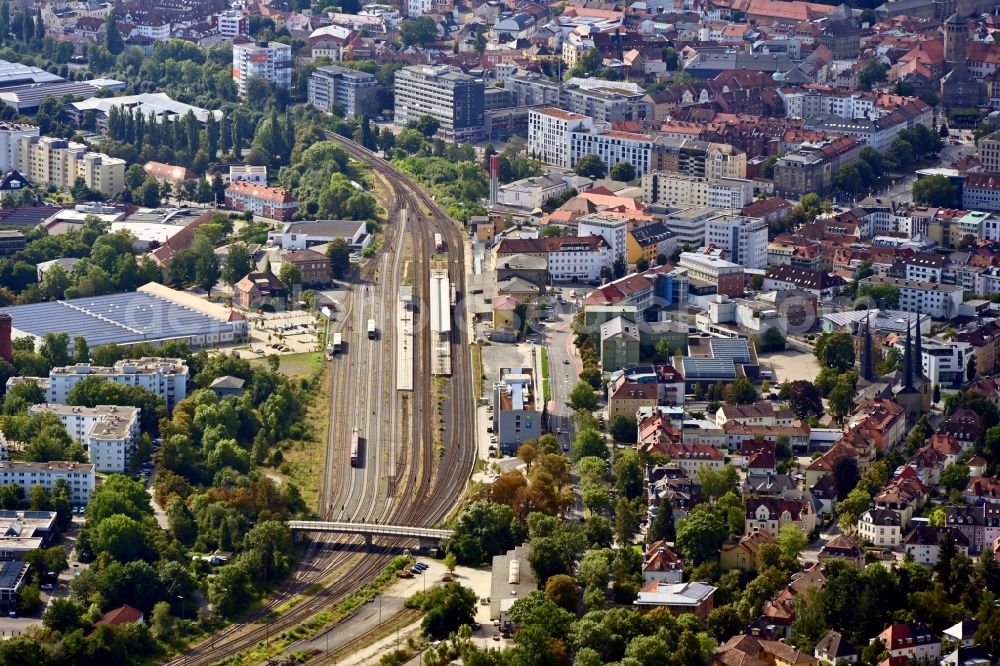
(153, 314)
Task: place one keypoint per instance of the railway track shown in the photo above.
(432, 483)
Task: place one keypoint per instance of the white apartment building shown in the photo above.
(79, 476)
(549, 131)
(531, 193)
(612, 147)
(613, 229)
(806, 103)
(270, 61)
(724, 161)
(940, 301)
(166, 377)
(945, 362)
(50, 161)
(418, 7)
(108, 432)
(10, 136)
(251, 174)
(579, 260)
(687, 225)
(676, 190)
(743, 238)
(232, 23)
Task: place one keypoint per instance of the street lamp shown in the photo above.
(183, 613)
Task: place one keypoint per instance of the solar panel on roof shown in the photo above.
(37, 514)
(708, 368)
(8, 514)
(10, 570)
(736, 350)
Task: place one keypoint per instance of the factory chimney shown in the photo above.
(6, 324)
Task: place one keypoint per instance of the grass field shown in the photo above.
(296, 365)
(546, 387)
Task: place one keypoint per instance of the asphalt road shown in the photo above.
(564, 365)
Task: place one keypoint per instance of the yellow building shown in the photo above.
(626, 399)
(745, 554)
(58, 162)
(504, 313)
(725, 161)
(648, 243)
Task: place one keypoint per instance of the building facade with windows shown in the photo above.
(80, 477)
(353, 91)
(456, 100)
(270, 61)
(107, 432)
(743, 238)
(549, 132)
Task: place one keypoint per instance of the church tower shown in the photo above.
(867, 369)
(956, 39)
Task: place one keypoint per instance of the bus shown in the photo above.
(371, 329)
(354, 447)
(337, 343)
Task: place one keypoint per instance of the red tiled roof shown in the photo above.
(262, 192)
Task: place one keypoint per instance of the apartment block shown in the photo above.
(676, 190)
(270, 61)
(353, 91)
(454, 99)
(166, 377)
(57, 162)
(271, 202)
(811, 167)
(10, 135)
(549, 131)
(743, 238)
(79, 476)
(612, 147)
(710, 270)
(611, 228)
(232, 23)
(108, 432)
(940, 301)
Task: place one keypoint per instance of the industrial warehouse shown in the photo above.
(153, 314)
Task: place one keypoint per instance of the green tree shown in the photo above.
(113, 41)
(446, 608)
(741, 392)
(63, 615)
(663, 526)
(841, 400)
(483, 530)
(935, 190)
(623, 429)
(589, 442)
(792, 541)
(418, 31)
(955, 476)
(561, 589)
(835, 350)
(237, 263)
(582, 396)
(809, 625)
(340, 257)
(623, 171)
(873, 72)
(699, 536)
(591, 166)
(290, 274)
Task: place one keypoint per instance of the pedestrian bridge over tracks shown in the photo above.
(427, 536)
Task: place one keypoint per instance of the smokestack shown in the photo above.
(6, 324)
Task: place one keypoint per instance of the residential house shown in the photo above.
(662, 564)
(745, 554)
(833, 649)
(314, 266)
(923, 544)
(769, 514)
(842, 547)
(692, 457)
(625, 399)
(911, 640)
(260, 289)
(881, 527)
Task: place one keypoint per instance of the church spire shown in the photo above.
(908, 362)
(918, 351)
(867, 371)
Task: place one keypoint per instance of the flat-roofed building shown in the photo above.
(517, 413)
(354, 92)
(549, 131)
(456, 100)
(165, 377)
(107, 432)
(79, 476)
